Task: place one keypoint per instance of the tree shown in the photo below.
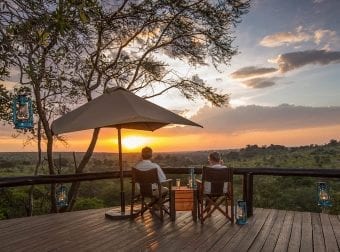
(69, 51)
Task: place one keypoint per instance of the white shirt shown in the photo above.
(217, 166)
(145, 165)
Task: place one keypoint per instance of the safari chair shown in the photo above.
(215, 188)
(151, 199)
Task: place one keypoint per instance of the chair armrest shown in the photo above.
(169, 181)
(166, 181)
(199, 187)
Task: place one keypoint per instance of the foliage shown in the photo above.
(291, 193)
(5, 104)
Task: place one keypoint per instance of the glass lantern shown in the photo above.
(324, 199)
(22, 112)
(61, 196)
(241, 212)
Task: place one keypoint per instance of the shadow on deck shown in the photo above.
(267, 230)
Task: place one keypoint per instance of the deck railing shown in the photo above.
(247, 173)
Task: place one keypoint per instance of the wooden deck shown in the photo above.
(267, 230)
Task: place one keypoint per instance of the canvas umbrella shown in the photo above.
(118, 108)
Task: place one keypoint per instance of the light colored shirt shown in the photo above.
(217, 166)
(145, 165)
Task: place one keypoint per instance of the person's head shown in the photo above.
(146, 153)
(214, 158)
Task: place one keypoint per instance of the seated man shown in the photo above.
(215, 160)
(147, 164)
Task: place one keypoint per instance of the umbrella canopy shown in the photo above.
(118, 108)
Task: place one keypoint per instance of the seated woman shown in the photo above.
(215, 160)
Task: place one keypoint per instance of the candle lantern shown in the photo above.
(241, 212)
(22, 112)
(324, 199)
(61, 196)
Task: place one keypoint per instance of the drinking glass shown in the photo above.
(178, 183)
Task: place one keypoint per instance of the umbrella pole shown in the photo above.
(122, 194)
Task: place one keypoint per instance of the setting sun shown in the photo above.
(134, 142)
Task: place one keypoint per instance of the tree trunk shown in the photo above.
(49, 136)
(73, 193)
(38, 164)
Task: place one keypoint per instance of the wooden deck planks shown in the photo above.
(328, 233)
(143, 241)
(284, 236)
(248, 233)
(306, 233)
(274, 233)
(33, 235)
(335, 222)
(267, 230)
(264, 232)
(295, 237)
(318, 239)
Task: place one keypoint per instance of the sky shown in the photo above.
(284, 88)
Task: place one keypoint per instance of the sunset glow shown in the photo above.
(134, 143)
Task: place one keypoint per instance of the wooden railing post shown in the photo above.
(248, 192)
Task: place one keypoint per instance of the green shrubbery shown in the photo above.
(290, 193)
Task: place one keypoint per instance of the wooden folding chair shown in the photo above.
(215, 188)
(152, 197)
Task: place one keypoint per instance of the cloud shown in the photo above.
(293, 60)
(229, 120)
(327, 38)
(285, 38)
(320, 37)
(252, 71)
(259, 82)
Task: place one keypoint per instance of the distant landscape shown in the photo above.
(290, 193)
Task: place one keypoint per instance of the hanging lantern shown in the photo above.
(22, 112)
(324, 199)
(61, 196)
(241, 212)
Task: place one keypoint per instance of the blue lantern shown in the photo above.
(324, 199)
(61, 196)
(22, 112)
(241, 212)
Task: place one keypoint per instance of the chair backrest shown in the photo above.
(145, 179)
(216, 180)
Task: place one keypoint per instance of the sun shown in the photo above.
(134, 142)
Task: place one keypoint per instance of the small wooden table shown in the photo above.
(183, 199)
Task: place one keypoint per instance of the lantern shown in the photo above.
(22, 112)
(324, 199)
(241, 212)
(61, 196)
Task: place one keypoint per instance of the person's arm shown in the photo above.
(161, 174)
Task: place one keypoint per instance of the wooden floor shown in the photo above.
(267, 230)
